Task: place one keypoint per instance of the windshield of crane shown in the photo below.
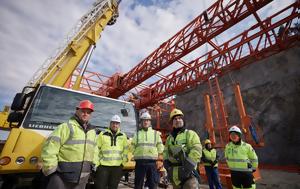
(53, 106)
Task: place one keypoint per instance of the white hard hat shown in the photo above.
(116, 118)
(235, 129)
(145, 115)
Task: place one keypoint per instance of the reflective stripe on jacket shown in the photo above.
(241, 157)
(113, 149)
(209, 155)
(187, 140)
(70, 151)
(147, 144)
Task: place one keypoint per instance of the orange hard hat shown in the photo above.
(85, 104)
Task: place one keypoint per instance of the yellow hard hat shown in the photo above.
(175, 112)
(207, 141)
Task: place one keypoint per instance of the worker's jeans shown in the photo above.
(146, 168)
(108, 177)
(213, 177)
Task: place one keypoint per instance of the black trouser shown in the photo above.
(56, 182)
(108, 177)
(146, 168)
(242, 179)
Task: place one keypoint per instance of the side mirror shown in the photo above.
(15, 117)
(19, 101)
(124, 112)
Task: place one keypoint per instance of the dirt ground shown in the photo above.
(271, 179)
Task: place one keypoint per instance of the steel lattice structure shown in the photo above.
(216, 19)
(263, 39)
(250, 46)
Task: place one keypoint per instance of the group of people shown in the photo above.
(74, 150)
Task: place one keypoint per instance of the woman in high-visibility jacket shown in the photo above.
(182, 153)
(210, 161)
(147, 151)
(241, 159)
(113, 154)
(68, 153)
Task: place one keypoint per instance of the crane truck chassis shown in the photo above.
(38, 111)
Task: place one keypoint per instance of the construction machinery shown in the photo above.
(255, 43)
(219, 17)
(265, 37)
(46, 102)
(216, 121)
(217, 124)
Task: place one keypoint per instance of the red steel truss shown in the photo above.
(252, 45)
(219, 17)
(90, 81)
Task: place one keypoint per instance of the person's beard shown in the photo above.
(179, 124)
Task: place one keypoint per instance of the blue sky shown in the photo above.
(32, 29)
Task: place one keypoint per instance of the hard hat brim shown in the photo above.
(77, 108)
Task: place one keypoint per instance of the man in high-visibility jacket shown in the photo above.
(241, 159)
(113, 154)
(147, 151)
(182, 153)
(210, 160)
(68, 153)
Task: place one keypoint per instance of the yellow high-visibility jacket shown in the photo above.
(210, 155)
(147, 144)
(242, 161)
(189, 142)
(70, 150)
(113, 148)
(241, 157)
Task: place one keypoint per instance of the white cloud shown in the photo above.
(140, 30)
(30, 31)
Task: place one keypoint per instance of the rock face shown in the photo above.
(271, 92)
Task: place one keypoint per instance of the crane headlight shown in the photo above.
(33, 160)
(20, 160)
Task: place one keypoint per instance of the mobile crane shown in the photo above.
(46, 102)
